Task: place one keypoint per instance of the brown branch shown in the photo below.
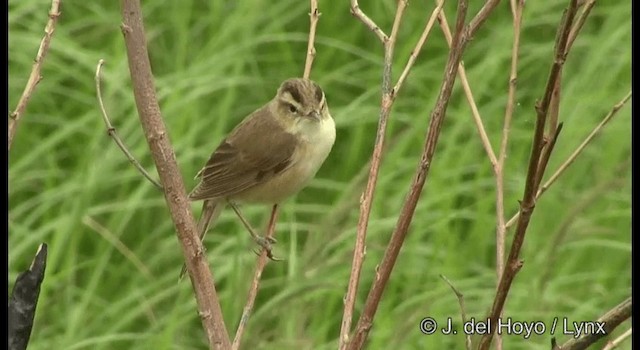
(367, 196)
(255, 283)
(167, 167)
(404, 220)
(547, 148)
(311, 50)
(609, 321)
(111, 131)
(34, 77)
(357, 12)
(580, 22)
(542, 107)
(527, 204)
(463, 310)
(480, 17)
(554, 104)
(614, 110)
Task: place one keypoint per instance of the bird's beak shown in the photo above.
(315, 114)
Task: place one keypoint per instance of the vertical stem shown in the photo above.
(175, 193)
(516, 9)
(367, 196)
(255, 283)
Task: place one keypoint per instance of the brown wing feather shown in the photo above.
(250, 155)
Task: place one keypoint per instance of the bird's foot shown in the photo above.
(265, 243)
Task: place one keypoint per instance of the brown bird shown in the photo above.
(271, 155)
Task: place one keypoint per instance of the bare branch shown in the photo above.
(311, 50)
(547, 148)
(527, 205)
(481, 16)
(404, 220)
(517, 7)
(357, 12)
(513, 77)
(255, 283)
(609, 321)
(367, 196)
(175, 193)
(475, 113)
(614, 110)
(616, 342)
(542, 107)
(418, 48)
(34, 77)
(111, 131)
(463, 310)
(580, 22)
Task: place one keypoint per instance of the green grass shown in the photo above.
(114, 256)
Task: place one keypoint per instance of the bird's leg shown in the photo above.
(264, 242)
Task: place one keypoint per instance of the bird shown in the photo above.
(270, 156)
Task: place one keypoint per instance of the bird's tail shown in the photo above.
(211, 210)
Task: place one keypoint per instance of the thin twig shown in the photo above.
(516, 9)
(367, 197)
(111, 131)
(175, 193)
(527, 205)
(357, 12)
(480, 17)
(418, 48)
(463, 310)
(255, 283)
(34, 77)
(609, 321)
(406, 214)
(613, 112)
(475, 113)
(616, 342)
(311, 49)
(582, 18)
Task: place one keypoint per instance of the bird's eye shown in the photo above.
(292, 109)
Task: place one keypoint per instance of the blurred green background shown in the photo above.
(114, 257)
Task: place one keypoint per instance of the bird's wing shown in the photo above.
(250, 155)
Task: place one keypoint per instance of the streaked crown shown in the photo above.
(301, 97)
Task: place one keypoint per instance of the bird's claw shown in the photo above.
(265, 243)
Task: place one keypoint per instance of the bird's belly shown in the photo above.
(278, 188)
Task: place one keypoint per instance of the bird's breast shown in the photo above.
(312, 150)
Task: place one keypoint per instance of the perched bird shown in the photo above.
(271, 155)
